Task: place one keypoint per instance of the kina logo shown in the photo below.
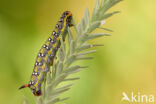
(137, 98)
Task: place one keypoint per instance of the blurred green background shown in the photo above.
(126, 62)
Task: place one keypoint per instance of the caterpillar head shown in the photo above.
(68, 15)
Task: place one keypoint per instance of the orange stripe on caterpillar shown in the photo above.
(24, 86)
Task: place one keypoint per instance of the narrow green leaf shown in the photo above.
(106, 29)
(71, 79)
(113, 2)
(53, 101)
(93, 26)
(95, 10)
(87, 37)
(84, 25)
(59, 69)
(70, 60)
(61, 55)
(96, 35)
(80, 28)
(64, 99)
(108, 15)
(59, 79)
(75, 71)
(83, 58)
(49, 78)
(72, 68)
(84, 47)
(87, 52)
(81, 40)
(103, 3)
(63, 48)
(74, 24)
(72, 47)
(94, 45)
(109, 4)
(87, 17)
(54, 69)
(66, 86)
(57, 92)
(70, 36)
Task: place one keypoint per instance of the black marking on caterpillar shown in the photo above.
(47, 53)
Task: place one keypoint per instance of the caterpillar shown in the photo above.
(47, 53)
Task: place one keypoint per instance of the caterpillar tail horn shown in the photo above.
(24, 86)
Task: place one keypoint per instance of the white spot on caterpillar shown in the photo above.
(54, 33)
